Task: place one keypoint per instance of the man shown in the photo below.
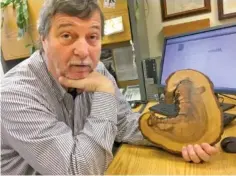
(47, 128)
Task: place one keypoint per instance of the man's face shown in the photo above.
(73, 45)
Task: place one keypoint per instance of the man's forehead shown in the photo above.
(65, 24)
(94, 20)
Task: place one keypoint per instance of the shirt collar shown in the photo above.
(56, 86)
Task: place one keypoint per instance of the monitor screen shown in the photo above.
(212, 52)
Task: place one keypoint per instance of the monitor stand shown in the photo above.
(225, 106)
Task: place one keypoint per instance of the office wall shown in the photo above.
(155, 24)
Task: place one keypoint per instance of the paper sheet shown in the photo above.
(176, 6)
(229, 6)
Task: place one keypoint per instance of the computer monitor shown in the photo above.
(211, 51)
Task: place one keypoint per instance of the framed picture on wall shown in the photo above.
(226, 9)
(173, 9)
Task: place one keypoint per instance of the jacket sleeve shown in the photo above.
(127, 121)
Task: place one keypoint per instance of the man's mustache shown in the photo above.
(80, 63)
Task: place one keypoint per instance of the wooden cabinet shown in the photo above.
(15, 49)
(119, 37)
(120, 9)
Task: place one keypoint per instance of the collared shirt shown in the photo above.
(46, 131)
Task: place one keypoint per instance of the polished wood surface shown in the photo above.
(198, 107)
(131, 159)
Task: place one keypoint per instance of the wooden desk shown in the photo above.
(143, 160)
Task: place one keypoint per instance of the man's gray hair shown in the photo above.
(80, 8)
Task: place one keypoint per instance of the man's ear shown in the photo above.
(42, 39)
(43, 42)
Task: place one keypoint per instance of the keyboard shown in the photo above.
(228, 118)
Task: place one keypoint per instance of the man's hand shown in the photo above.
(198, 153)
(94, 82)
